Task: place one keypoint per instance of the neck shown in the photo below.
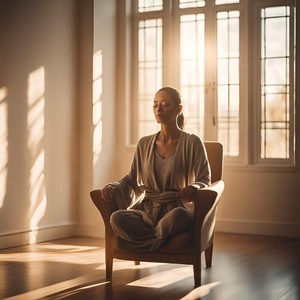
(169, 133)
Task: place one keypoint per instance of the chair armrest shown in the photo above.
(205, 203)
(206, 198)
(106, 208)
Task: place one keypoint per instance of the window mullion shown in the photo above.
(292, 101)
(170, 45)
(210, 131)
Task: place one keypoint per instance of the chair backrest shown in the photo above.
(215, 157)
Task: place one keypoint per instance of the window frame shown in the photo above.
(256, 85)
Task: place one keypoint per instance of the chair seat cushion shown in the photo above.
(181, 243)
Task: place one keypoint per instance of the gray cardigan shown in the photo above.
(138, 190)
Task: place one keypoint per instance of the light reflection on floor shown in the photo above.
(163, 278)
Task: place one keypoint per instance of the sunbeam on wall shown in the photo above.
(97, 105)
(3, 144)
(35, 143)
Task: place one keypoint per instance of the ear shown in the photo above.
(179, 109)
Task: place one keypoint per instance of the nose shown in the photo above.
(158, 108)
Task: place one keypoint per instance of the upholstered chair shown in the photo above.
(193, 243)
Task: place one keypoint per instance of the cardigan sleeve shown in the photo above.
(200, 163)
(130, 189)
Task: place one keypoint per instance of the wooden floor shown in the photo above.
(244, 267)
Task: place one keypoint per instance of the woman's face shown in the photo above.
(164, 108)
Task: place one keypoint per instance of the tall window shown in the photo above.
(276, 81)
(192, 70)
(223, 66)
(149, 70)
(228, 78)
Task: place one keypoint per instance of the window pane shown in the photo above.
(275, 82)
(275, 105)
(234, 72)
(274, 35)
(191, 3)
(276, 70)
(277, 11)
(149, 72)
(228, 98)
(223, 71)
(273, 148)
(192, 71)
(226, 1)
(150, 5)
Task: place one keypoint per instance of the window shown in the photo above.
(236, 77)
(149, 70)
(275, 77)
(228, 78)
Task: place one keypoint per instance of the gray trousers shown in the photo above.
(135, 233)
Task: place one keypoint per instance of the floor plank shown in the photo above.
(244, 267)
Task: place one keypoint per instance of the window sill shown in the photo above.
(260, 168)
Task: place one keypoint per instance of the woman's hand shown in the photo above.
(106, 193)
(186, 194)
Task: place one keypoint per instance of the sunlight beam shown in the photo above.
(97, 105)
(161, 279)
(3, 144)
(200, 292)
(35, 126)
(56, 288)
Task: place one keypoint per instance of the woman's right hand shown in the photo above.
(106, 193)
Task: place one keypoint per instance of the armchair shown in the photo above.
(201, 240)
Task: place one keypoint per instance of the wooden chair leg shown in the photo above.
(108, 256)
(197, 272)
(109, 267)
(208, 256)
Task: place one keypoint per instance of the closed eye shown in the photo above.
(163, 103)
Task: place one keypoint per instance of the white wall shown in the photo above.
(260, 203)
(98, 155)
(45, 184)
(38, 84)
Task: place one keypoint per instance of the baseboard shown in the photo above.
(63, 231)
(227, 226)
(258, 228)
(36, 236)
(91, 231)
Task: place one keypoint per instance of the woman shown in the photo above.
(167, 170)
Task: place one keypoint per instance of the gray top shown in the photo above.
(163, 170)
